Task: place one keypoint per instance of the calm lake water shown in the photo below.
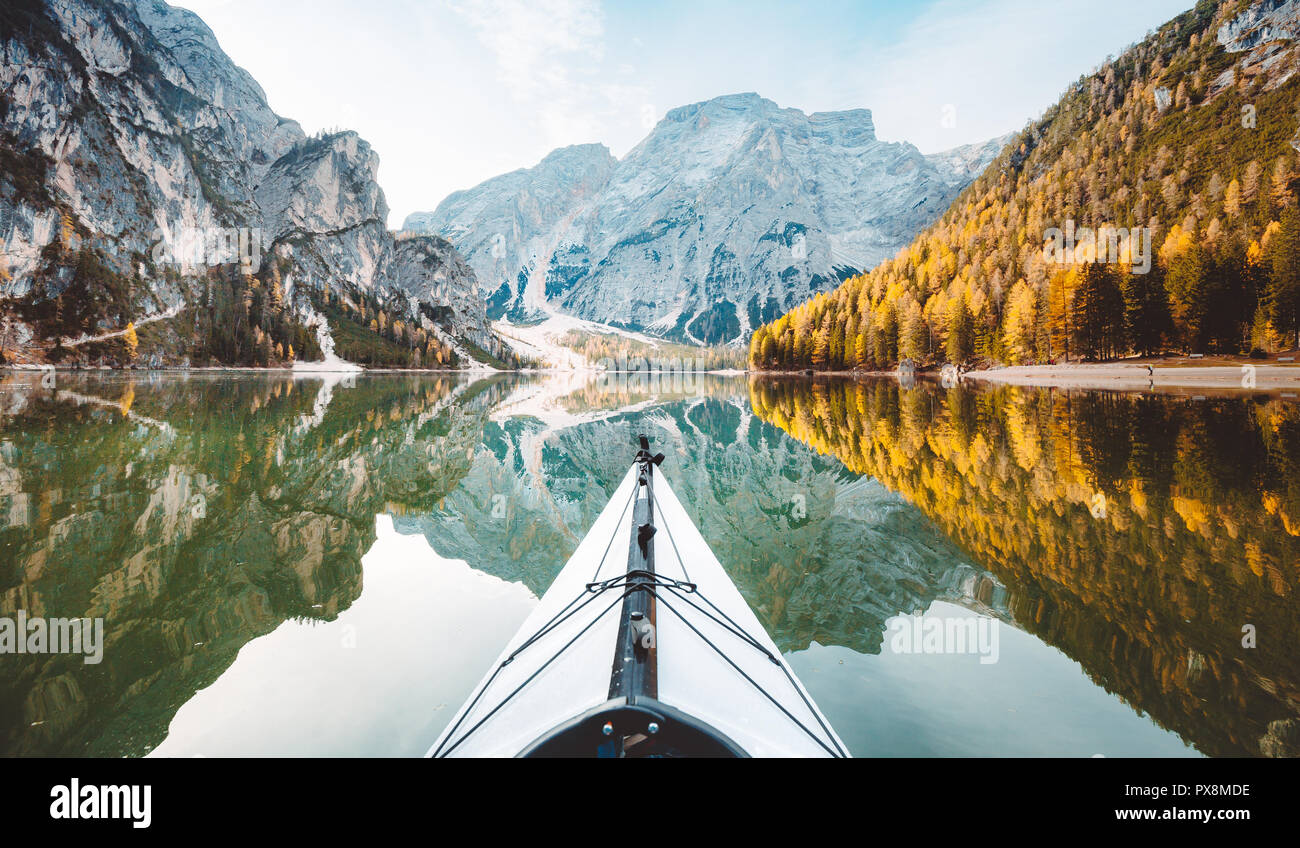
(327, 567)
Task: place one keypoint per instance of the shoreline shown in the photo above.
(1242, 377)
(1121, 376)
(246, 369)
(24, 368)
(1118, 376)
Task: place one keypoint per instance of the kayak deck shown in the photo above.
(642, 646)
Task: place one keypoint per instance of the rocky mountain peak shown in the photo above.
(726, 213)
(578, 154)
(324, 183)
(763, 119)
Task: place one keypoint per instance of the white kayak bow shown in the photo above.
(642, 646)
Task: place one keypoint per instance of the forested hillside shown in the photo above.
(1188, 139)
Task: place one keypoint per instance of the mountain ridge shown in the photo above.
(721, 215)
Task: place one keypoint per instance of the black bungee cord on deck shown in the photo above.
(632, 582)
(592, 590)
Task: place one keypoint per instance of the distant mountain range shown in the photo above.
(728, 213)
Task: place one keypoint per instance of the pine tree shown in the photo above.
(914, 334)
(1232, 199)
(1146, 312)
(1284, 277)
(1282, 192)
(821, 343)
(961, 332)
(67, 231)
(1018, 337)
(1250, 183)
(1185, 281)
(861, 351)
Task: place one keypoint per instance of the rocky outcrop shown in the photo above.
(1266, 31)
(728, 213)
(1262, 22)
(114, 133)
(427, 269)
(321, 201)
(505, 225)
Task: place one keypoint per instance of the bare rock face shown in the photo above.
(428, 269)
(236, 104)
(321, 200)
(504, 225)
(1262, 22)
(112, 130)
(727, 214)
(124, 127)
(1266, 31)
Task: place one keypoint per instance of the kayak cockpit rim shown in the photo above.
(635, 727)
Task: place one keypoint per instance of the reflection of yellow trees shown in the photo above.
(1137, 534)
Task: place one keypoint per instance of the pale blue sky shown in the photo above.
(452, 92)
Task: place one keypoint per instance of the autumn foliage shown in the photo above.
(1210, 173)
